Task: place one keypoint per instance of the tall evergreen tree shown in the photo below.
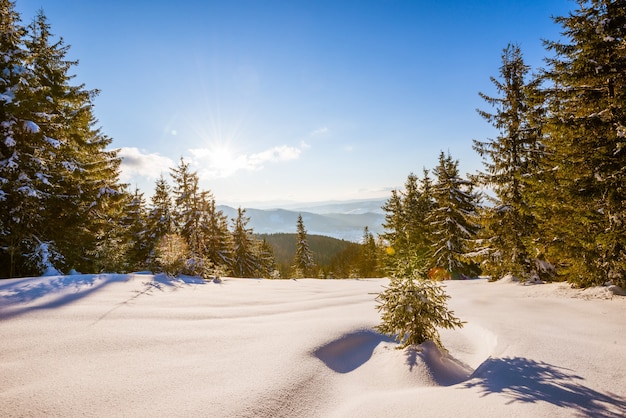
(217, 238)
(394, 223)
(135, 223)
(303, 264)
(160, 217)
(407, 226)
(245, 262)
(268, 267)
(454, 220)
(587, 149)
(187, 205)
(511, 164)
(19, 191)
(86, 196)
(58, 179)
(369, 259)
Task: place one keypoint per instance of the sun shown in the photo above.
(221, 155)
(223, 160)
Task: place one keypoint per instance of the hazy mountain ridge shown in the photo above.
(346, 222)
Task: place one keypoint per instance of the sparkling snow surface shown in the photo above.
(140, 345)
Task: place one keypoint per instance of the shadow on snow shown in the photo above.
(529, 381)
(20, 296)
(350, 351)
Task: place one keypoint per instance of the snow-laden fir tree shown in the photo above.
(511, 163)
(217, 238)
(20, 192)
(413, 308)
(407, 228)
(56, 176)
(187, 205)
(135, 224)
(454, 220)
(303, 264)
(160, 215)
(85, 208)
(584, 203)
(245, 261)
(267, 268)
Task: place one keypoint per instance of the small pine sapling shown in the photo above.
(172, 253)
(412, 309)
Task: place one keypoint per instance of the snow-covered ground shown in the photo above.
(140, 345)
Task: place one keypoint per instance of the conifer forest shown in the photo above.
(549, 203)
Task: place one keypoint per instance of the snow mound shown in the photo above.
(616, 290)
(350, 351)
(376, 359)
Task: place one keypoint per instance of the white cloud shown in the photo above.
(320, 131)
(136, 162)
(221, 162)
(275, 154)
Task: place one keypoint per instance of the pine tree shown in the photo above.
(217, 239)
(587, 149)
(135, 224)
(511, 164)
(407, 226)
(245, 262)
(187, 205)
(394, 225)
(171, 254)
(413, 308)
(303, 264)
(454, 220)
(160, 217)
(19, 188)
(84, 205)
(267, 267)
(368, 260)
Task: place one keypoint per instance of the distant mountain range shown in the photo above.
(341, 220)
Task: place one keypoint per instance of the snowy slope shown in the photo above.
(140, 345)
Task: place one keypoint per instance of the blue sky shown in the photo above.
(304, 101)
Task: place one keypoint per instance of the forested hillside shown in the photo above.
(555, 172)
(326, 251)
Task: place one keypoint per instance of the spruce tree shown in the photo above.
(187, 205)
(303, 264)
(394, 225)
(160, 217)
(587, 150)
(135, 223)
(454, 220)
(368, 257)
(245, 262)
(407, 226)
(19, 188)
(84, 205)
(217, 239)
(511, 164)
(267, 266)
(413, 308)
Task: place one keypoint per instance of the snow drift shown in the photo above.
(143, 345)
